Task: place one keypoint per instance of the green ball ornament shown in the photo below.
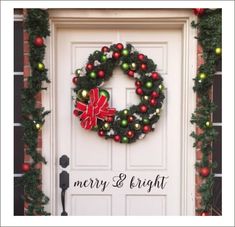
(146, 121)
(149, 84)
(202, 76)
(208, 124)
(125, 52)
(103, 58)
(124, 123)
(104, 93)
(78, 72)
(161, 87)
(125, 66)
(125, 139)
(106, 126)
(133, 66)
(218, 50)
(137, 126)
(125, 112)
(41, 66)
(92, 75)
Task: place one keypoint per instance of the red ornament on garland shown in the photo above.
(117, 138)
(116, 55)
(146, 128)
(153, 102)
(139, 91)
(101, 74)
(130, 134)
(105, 49)
(38, 41)
(76, 113)
(25, 167)
(109, 119)
(143, 108)
(101, 133)
(198, 11)
(130, 73)
(155, 75)
(143, 67)
(205, 213)
(141, 57)
(130, 119)
(75, 80)
(89, 66)
(119, 46)
(204, 171)
(137, 83)
(154, 94)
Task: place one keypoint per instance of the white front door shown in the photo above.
(149, 171)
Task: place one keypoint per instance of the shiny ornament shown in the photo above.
(153, 102)
(130, 119)
(140, 57)
(130, 134)
(157, 111)
(137, 83)
(25, 167)
(83, 95)
(92, 75)
(155, 75)
(145, 98)
(109, 119)
(89, 67)
(41, 66)
(101, 133)
(143, 108)
(146, 128)
(104, 93)
(38, 41)
(103, 58)
(117, 138)
(202, 76)
(148, 84)
(116, 55)
(161, 87)
(78, 72)
(139, 91)
(101, 74)
(208, 124)
(137, 126)
(119, 46)
(125, 66)
(204, 171)
(198, 11)
(125, 139)
(130, 73)
(75, 80)
(204, 213)
(106, 126)
(125, 52)
(143, 67)
(38, 126)
(76, 113)
(124, 123)
(133, 66)
(218, 50)
(154, 94)
(146, 121)
(125, 112)
(105, 49)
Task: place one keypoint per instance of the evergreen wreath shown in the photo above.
(91, 102)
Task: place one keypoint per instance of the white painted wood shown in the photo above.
(173, 50)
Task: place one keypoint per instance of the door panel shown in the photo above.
(102, 160)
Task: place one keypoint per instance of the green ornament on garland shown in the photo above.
(133, 66)
(149, 84)
(125, 66)
(104, 93)
(40, 66)
(83, 95)
(78, 72)
(125, 139)
(125, 52)
(161, 87)
(208, 124)
(106, 126)
(218, 50)
(146, 120)
(92, 75)
(103, 58)
(202, 76)
(125, 112)
(124, 123)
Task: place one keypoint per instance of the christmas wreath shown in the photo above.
(91, 102)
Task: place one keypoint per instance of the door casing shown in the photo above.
(134, 18)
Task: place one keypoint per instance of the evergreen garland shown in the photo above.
(209, 26)
(37, 26)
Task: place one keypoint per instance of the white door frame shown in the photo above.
(105, 18)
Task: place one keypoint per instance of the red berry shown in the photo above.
(101, 133)
(146, 128)
(198, 11)
(130, 134)
(139, 91)
(76, 113)
(38, 41)
(101, 73)
(109, 119)
(154, 94)
(130, 73)
(141, 57)
(137, 83)
(143, 66)
(116, 55)
(75, 80)
(155, 75)
(204, 171)
(130, 119)
(143, 108)
(105, 49)
(153, 102)
(117, 138)
(119, 46)
(89, 66)
(25, 167)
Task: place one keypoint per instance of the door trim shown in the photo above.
(105, 18)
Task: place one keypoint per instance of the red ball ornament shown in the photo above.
(25, 167)
(139, 91)
(130, 119)
(119, 46)
(130, 134)
(109, 119)
(117, 138)
(101, 73)
(146, 128)
(89, 66)
(130, 73)
(204, 171)
(137, 83)
(154, 94)
(76, 113)
(75, 80)
(198, 11)
(205, 213)
(105, 49)
(143, 67)
(153, 102)
(155, 75)
(38, 41)
(143, 108)
(116, 55)
(141, 57)
(101, 133)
